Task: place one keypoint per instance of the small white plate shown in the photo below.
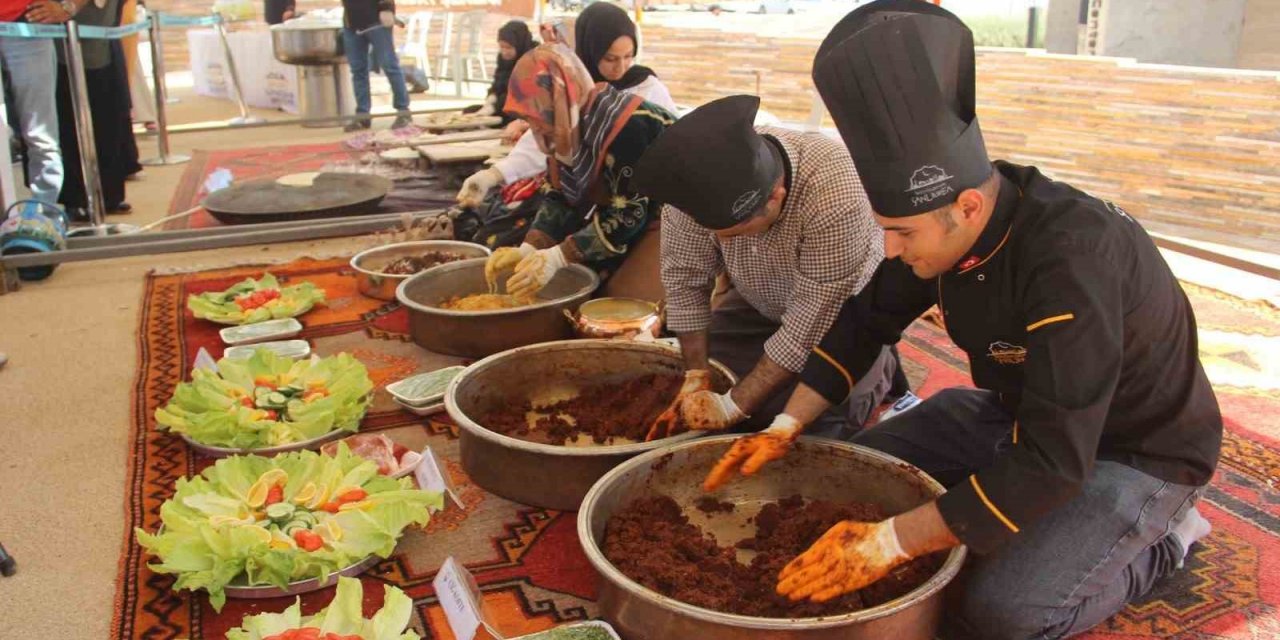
(428, 410)
(261, 331)
(591, 623)
(425, 388)
(296, 349)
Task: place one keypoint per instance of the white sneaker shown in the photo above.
(903, 404)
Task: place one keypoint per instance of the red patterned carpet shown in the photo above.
(528, 562)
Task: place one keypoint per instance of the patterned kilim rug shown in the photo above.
(410, 192)
(528, 561)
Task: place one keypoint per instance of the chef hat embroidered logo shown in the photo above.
(928, 183)
(712, 164)
(746, 204)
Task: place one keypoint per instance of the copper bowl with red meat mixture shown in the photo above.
(380, 270)
(611, 389)
(644, 518)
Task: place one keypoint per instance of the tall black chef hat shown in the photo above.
(712, 164)
(897, 77)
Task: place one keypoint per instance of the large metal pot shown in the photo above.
(368, 264)
(475, 334)
(307, 44)
(544, 475)
(815, 468)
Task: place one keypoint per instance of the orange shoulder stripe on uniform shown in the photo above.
(982, 495)
(1050, 320)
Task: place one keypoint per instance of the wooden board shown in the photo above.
(458, 153)
(462, 136)
(463, 125)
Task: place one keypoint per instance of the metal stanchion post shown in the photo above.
(244, 117)
(161, 96)
(84, 128)
(1033, 24)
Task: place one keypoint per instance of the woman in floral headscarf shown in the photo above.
(592, 135)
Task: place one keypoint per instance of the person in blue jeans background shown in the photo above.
(367, 24)
(30, 65)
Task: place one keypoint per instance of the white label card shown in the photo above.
(432, 476)
(460, 598)
(205, 361)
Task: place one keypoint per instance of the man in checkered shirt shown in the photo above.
(783, 214)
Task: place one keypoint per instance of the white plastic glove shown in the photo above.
(387, 18)
(477, 185)
(487, 109)
(535, 271)
(710, 411)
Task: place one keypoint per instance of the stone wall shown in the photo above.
(1199, 151)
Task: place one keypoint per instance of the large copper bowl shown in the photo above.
(815, 468)
(545, 475)
(475, 334)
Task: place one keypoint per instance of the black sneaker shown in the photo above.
(402, 120)
(357, 125)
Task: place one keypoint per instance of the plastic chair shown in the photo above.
(462, 47)
(417, 29)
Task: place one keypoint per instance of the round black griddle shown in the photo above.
(329, 195)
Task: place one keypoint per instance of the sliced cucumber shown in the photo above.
(281, 511)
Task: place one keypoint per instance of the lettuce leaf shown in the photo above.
(210, 409)
(213, 535)
(221, 307)
(343, 616)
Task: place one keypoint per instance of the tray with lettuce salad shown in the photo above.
(343, 619)
(253, 301)
(275, 522)
(268, 403)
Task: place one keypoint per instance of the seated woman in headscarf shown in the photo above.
(607, 44)
(591, 136)
(514, 40)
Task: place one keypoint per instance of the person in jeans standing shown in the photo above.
(30, 65)
(366, 24)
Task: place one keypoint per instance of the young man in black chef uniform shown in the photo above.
(1074, 468)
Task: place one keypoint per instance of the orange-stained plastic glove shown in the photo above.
(534, 271)
(754, 451)
(695, 380)
(848, 557)
(710, 411)
(504, 258)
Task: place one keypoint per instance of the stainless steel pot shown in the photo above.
(314, 44)
(475, 334)
(544, 475)
(815, 468)
(373, 282)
